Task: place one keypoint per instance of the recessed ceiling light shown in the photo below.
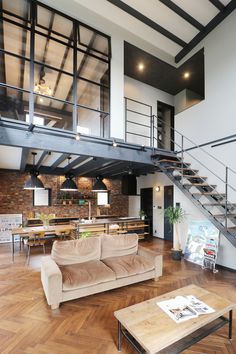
(140, 66)
(186, 75)
(41, 100)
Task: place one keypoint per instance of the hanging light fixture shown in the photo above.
(34, 182)
(99, 186)
(69, 184)
(41, 87)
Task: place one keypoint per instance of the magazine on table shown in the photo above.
(183, 308)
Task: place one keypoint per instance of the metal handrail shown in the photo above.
(195, 144)
(182, 151)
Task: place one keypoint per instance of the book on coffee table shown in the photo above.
(183, 308)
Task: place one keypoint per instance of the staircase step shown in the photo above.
(185, 169)
(221, 205)
(222, 216)
(204, 185)
(174, 162)
(232, 230)
(195, 177)
(210, 193)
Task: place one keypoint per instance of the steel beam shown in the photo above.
(24, 158)
(13, 136)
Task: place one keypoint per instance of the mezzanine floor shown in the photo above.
(87, 325)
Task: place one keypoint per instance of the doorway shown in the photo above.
(168, 201)
(165, 123)
(146, 199)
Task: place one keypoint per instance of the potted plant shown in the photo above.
(85, 234)
(142, 214)
(175, 216)
(45, 218)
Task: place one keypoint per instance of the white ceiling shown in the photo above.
(201, 10)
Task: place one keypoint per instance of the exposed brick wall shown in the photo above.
(14, 199)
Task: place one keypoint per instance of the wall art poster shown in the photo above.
(7, 223)
(202, 243)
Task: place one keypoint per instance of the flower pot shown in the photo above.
(176, 254)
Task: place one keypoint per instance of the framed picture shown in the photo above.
(42, 197)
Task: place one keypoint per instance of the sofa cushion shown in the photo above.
(81, 275)
(76, 251)
(119, 245)
(129, 265)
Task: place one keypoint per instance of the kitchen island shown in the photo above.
(120, 225)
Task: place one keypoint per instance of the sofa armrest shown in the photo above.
(157, 259)
(51, 279)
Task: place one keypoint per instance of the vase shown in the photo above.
(46, 224)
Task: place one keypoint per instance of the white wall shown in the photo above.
(149, 95)
(152, 181)
(214, 118)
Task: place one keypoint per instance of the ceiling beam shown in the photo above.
(88, 167)
(81, 67)
(172, 6)
(147, 21)
(209, 27)
(24, 158)
(80, 161)
(11, 135)
(62, 158)
(42, 157)
(218, 4)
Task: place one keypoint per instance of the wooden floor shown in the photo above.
(27, 324)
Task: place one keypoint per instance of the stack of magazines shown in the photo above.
(182, 308)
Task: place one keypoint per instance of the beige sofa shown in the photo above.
(83, 267)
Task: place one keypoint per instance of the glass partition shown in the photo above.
(59, 65)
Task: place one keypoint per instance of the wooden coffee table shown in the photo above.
(151, 330)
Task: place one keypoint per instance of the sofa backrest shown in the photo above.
(76, 251)
(119, 245)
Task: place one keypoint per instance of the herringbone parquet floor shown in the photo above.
(87, 325)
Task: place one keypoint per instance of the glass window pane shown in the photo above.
(19, 7)
(53, 53)
(92, 95)
(92, 123)
(93, 40)
(91, 68)
(52, 114)
(14, 104)
(55, 23)
(52, 83)
(15, 39)
(14, 71)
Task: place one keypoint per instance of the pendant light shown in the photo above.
(69, 184)
(33, 182)
(99, 186)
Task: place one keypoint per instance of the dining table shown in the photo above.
(49, 230)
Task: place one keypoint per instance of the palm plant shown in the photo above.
(175, 216)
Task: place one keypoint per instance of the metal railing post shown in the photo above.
(226, 195)
(182, 159)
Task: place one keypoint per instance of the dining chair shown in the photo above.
(63, 234)
(35, 239)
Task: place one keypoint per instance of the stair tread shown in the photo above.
(201, 185)
(231, 229)
(179, 168)
(219, 204)
(223, 215)
(210, 193)
(195, 176)
(174, 161)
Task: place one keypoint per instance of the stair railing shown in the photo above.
(155, 134)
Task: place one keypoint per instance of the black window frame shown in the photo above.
(31, 24)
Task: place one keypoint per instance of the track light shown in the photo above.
(114, 143)
(77, 137)
(143, 148)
